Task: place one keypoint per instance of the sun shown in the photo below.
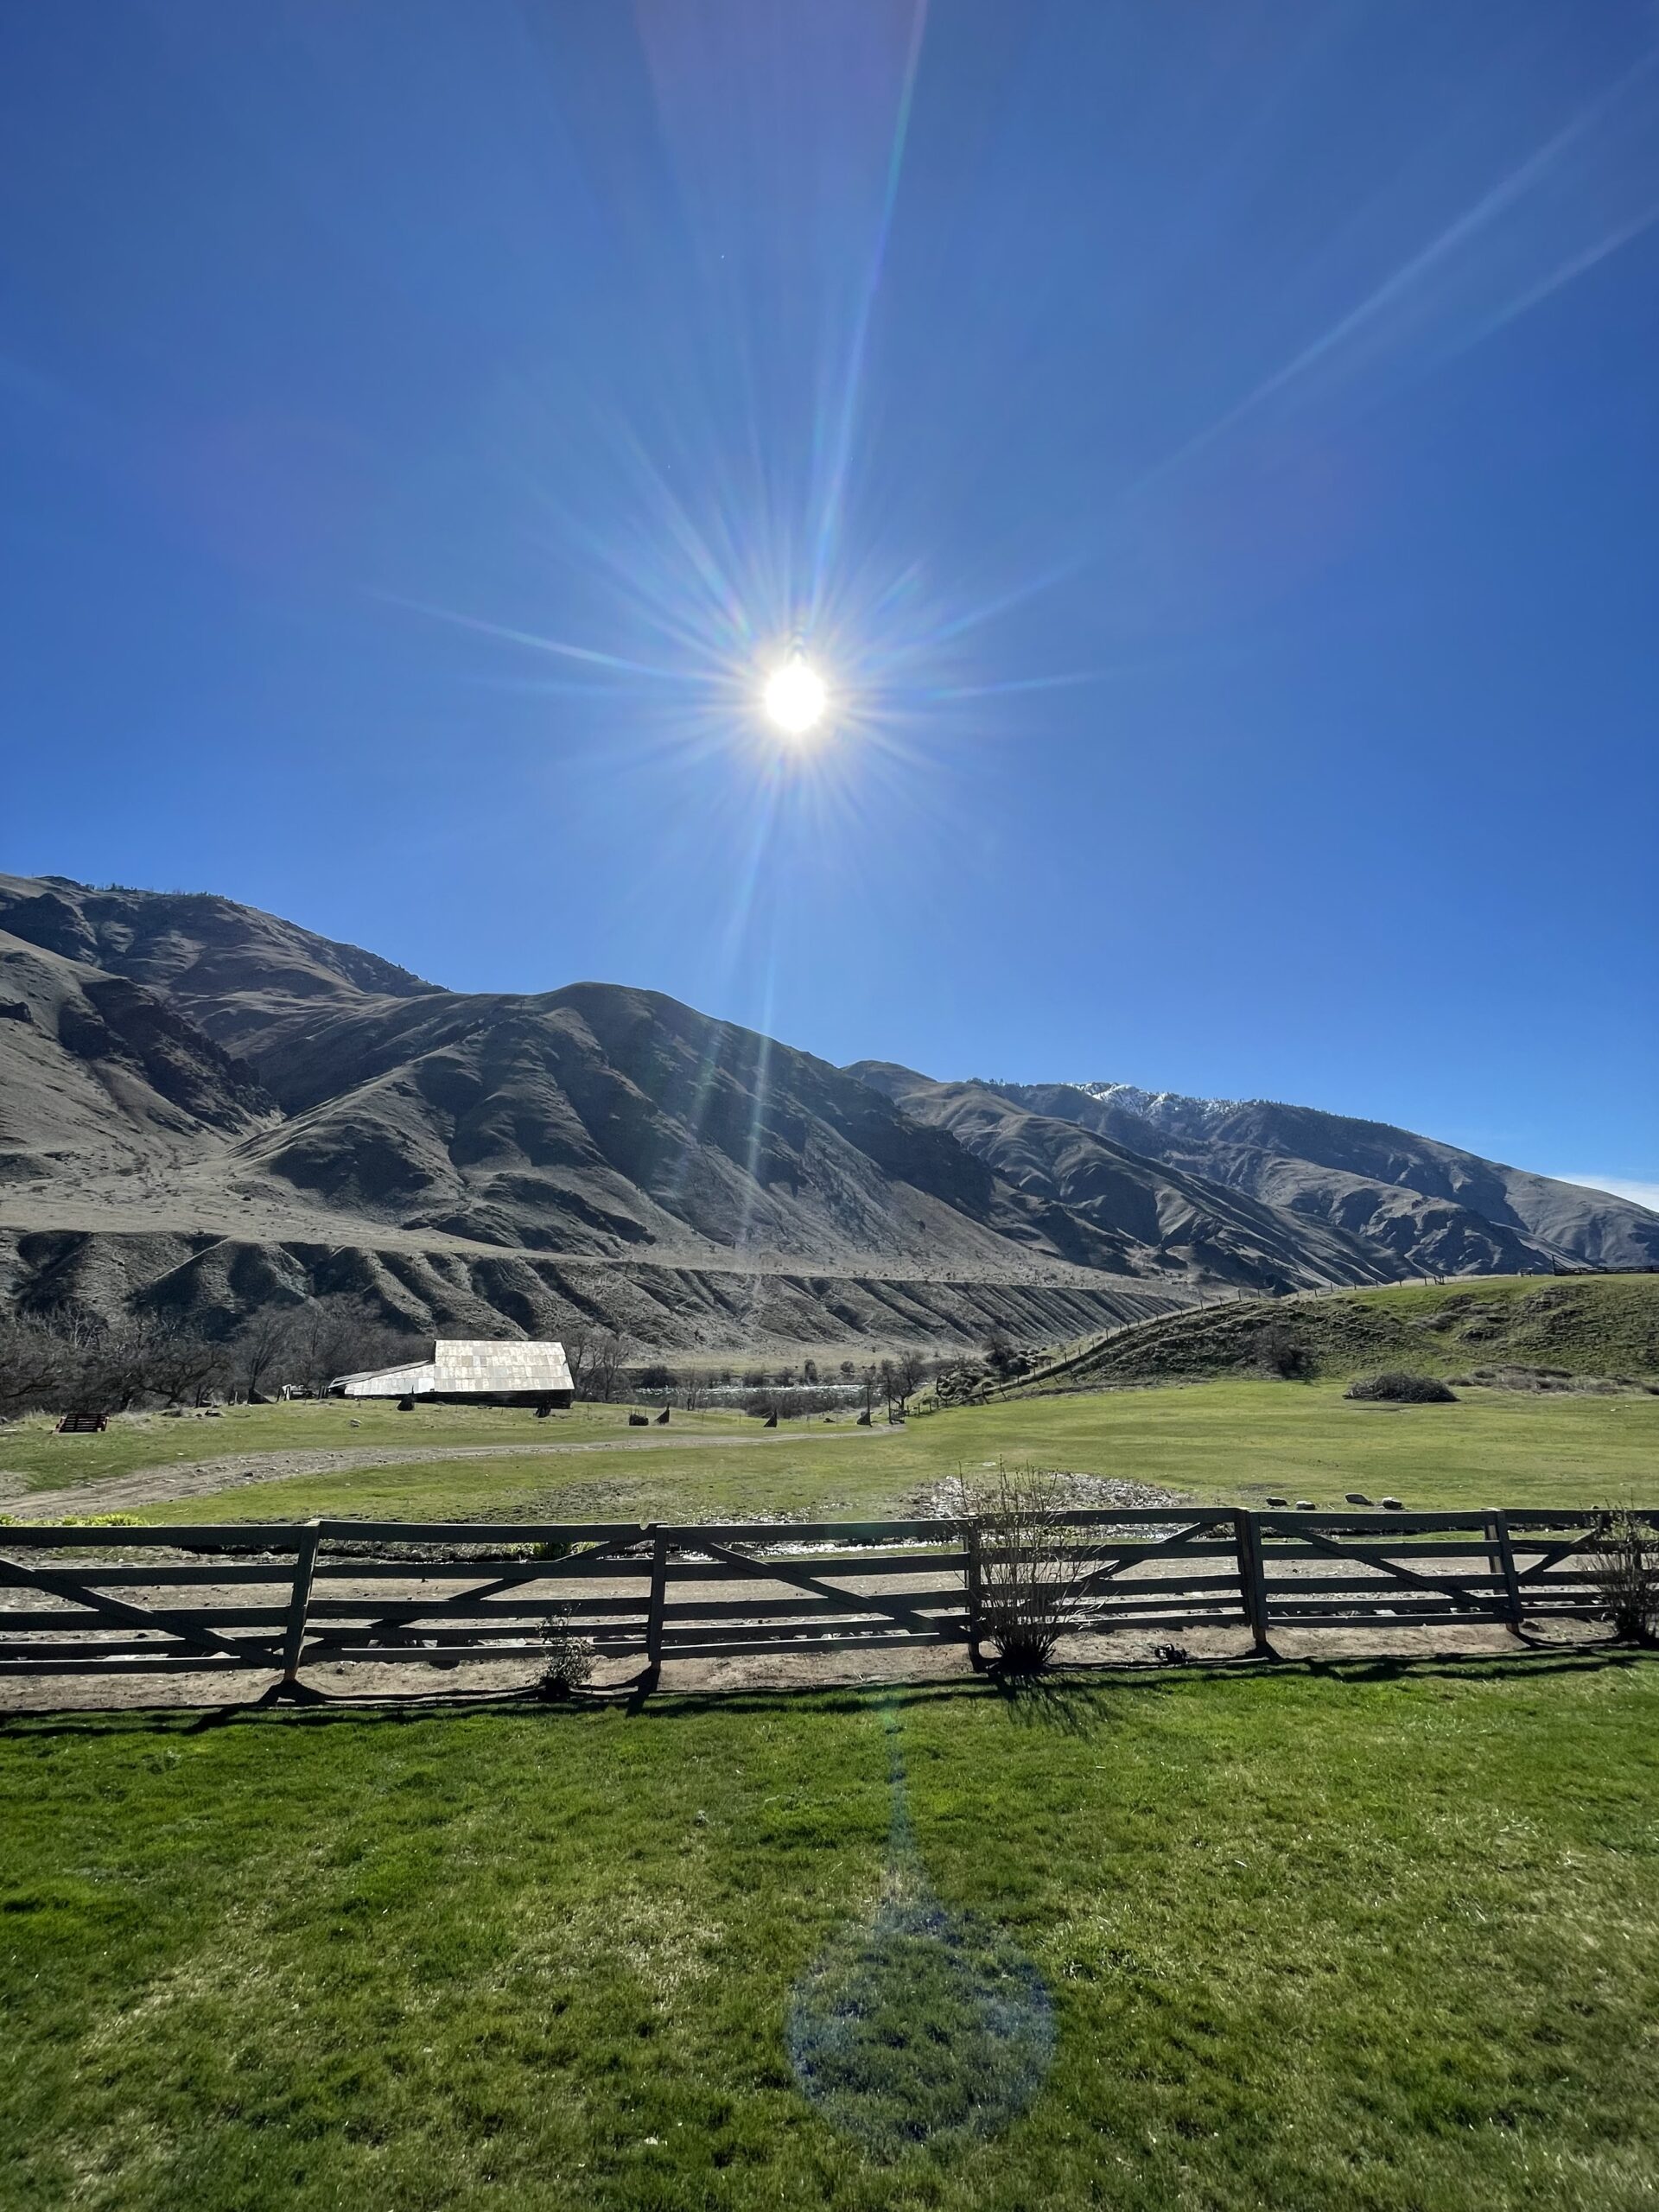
(796, 697)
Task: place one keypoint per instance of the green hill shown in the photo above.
(1514, 1330)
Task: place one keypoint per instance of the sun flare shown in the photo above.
(796, 697)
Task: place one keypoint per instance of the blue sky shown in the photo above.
(1211, 450)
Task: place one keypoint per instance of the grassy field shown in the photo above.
(31, 1448)
(1310, 1939)
(1230, 1440)
(1590, 1325)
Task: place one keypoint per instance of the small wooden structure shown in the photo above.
(83, 1423)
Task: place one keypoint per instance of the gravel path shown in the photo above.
(160, 1485)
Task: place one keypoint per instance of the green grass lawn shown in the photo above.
(1310, 1939)
(1232, 1440)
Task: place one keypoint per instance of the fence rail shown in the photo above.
(280, 1597)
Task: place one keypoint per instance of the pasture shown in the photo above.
(1231, 1441)
(1355, 1934)
(31, 1449)
(1379, 1934)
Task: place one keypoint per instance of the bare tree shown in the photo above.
(178, 1361)
(36, 1362)
(316, 1352)
(120, 1362)
(259, 1349)
(216, 1376)
(334, 1337)
(884, 1376)
(577, 1340)
(908, 1370)
(606, 1366)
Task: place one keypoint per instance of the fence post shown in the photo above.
(1498, 1539)
(305, 1562)
(659, 1601)
(1252, 1582)
(976, 1596)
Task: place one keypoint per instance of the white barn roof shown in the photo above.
(465, 1367)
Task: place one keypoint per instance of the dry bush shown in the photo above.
(566, 1661)
(1396, 1389)
(1624, 1568)
(1034, 1565)
(1279, 1354)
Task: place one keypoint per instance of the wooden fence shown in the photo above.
(282, 1597)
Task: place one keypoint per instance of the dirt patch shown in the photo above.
(399, 1687)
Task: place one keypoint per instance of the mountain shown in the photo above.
(457, 1157)
(240, 974)
(1436, 1209)
(206, 1107)
(100, 1074)
(1213, 1233)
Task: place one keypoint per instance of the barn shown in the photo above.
(467, 1371)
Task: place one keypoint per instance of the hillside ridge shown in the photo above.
(1514, 1332)
(184, 1074)
(1436, 1208)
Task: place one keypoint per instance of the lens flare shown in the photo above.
(796, 697)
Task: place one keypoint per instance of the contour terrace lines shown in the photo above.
(91, 1214)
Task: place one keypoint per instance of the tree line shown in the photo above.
(69, 1360)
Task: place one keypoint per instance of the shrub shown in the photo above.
(1033, 1566)
(1396, 1389)
(1278, 1353)
(1624, 1568)
(566, 1661)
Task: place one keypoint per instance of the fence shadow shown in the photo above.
(1074, 1700)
